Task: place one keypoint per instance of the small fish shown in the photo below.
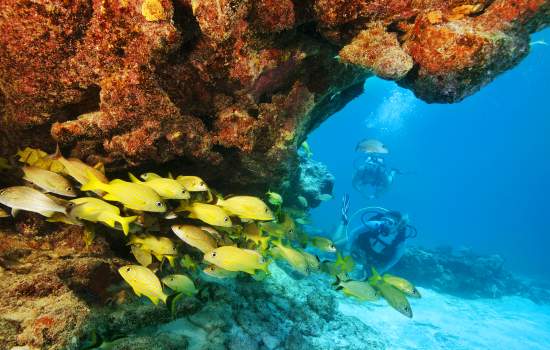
(294, 257)
(144, 282)
(166, 188)
(96, 210)
(160, 247)
(345, 264)
(371, 146)
(323, 244)
(133, 196)
(188, 263)
(143, 257)
(307, 149)
(538, 42)
(303, 201)
(181, 284)
(237, 259)
(274, 198)
(394, 297)
(29, 199)
(252, 232)
(247, 207)
(218, 272)
(285, 229)
(79, 170)
(208, 213)
(402, 284)
(49, 181)
(360, 290)
(324, 197)
(192, 183)
(313, 262)
(195, 237)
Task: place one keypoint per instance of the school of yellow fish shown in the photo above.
(181, 221)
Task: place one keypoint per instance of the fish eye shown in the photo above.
(183, 191)
(69, 188)
(291, 231)
(267, 210)
(213, 255)
(159, 204)
(201, 183)
(226, 219)
(128, 269)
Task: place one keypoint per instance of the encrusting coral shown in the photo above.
(229, 89)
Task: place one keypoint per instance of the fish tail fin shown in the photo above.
(171, 302)
(171, 260)
(133, 178)
(93, 183)
(57, 154)
(125, 223)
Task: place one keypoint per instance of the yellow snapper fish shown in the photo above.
(143, 257)
(402, 284)
(294, 257)
(208, 213)
(48, 181)
(133, 196)
(313, 262)
(237, 259)
(195, 237)
(246, 207)
(192, 183)
(323, 244)
(144, 282)
(166, 188)
(307, 149)
(371, 146)
(360, 290)
(218, 272)
(79, 170)
(96, 210)
(160, 247)
(252, 232)
(181, 284)
(29, 199)
(394, 297)
(274, 198)
(286, 228)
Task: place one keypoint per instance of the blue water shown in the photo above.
(478, 171)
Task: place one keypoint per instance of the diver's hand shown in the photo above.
(345, 208)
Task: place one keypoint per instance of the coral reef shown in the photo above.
(466, 274)
(312, 180)
(279, 313)
(50, 282)
(232, 85)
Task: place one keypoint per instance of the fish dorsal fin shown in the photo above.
(14, 211)
(133, 178)
(170, 176)
(100, 167)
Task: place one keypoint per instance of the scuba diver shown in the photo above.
(380, 239)
(372, 178)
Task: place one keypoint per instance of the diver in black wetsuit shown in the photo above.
(372, 178)
(380, 239)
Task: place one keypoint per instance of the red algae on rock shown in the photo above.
(231, 88)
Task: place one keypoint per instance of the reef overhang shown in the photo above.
(231, 88)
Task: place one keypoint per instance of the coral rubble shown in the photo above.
(232, 85)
